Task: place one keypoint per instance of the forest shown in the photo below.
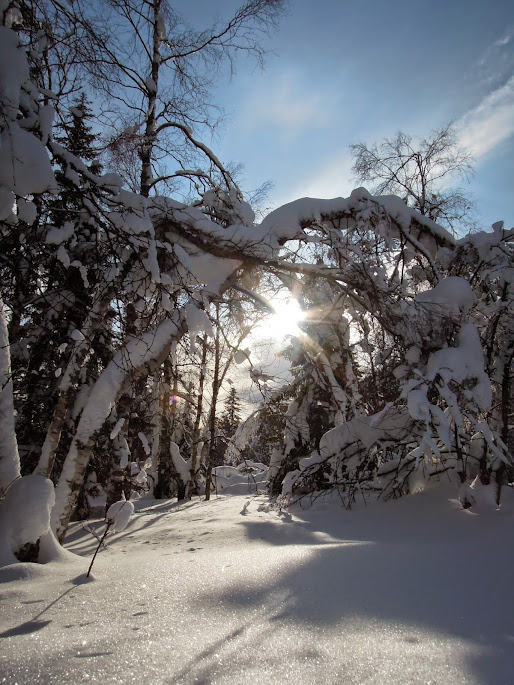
(133, 270)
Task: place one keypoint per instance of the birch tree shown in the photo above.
(422, 171)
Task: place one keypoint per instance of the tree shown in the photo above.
(261, 435)
(154, 71)
(421, 172)
(154, 74)
(231, 417)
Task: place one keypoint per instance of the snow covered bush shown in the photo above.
(116, 520)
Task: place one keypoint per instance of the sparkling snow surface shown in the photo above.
(412, 591)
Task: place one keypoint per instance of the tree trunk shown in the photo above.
(212, 413)
(146, 150)
(168, 479)
(193, 483)
(117, 476)
(9, 458)
(128, 360)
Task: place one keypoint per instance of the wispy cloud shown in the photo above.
(502, 41)
(498, 55)
(490, 122)
(328, 179)
(288, 104)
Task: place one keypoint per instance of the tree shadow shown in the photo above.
(452, 583)
(83, 539)
(25, 628)
(34, 624)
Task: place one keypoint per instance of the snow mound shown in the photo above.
(24, 515)
(118, 515)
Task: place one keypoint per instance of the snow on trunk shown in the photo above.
(9, 459)
(68, 380)
(24, 515)
(136, 355)
(182, 466)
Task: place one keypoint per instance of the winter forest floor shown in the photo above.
(411, 591)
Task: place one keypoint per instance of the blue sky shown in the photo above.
(347, 71)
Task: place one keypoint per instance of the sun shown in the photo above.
(282, 322)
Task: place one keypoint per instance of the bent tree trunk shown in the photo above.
(68, 387)
(136, 357)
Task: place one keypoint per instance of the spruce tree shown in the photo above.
(77, 137)
(231, 417)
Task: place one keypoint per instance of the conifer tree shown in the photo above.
(231, 417)
(77, 137)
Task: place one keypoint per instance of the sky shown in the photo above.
(341, 72)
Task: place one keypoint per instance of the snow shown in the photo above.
(130, 222)
(462, 363)
(413, 355)
(46, 118)
(24, 514)
(56, 236)
(76, 112)
(181, 465)
(453, 293)
(197, 321)
(27, 211)
(144, 442)
(240, 356)
(204, 269)
(231, 480)
(118, 515)
(118, 426)
(25, 166)
(63, 256)
(24, 162)
(77, 335)
(14, 69)
(112, 181)
(212, 271)
(150, 85)
(195, 592)
(285, 223)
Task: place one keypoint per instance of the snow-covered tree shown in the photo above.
(128, 279)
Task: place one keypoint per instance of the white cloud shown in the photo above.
(287, 103)
(490, 123)
(331, 178)
(502, 41)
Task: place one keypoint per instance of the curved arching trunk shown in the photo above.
(138, 357)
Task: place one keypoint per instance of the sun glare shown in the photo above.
(284, 321)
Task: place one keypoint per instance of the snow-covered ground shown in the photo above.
(411, 591)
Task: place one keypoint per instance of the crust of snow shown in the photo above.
(382, 594)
